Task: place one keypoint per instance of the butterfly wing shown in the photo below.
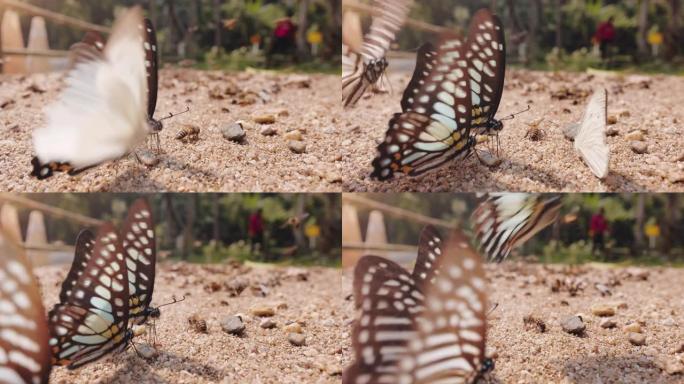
(387, 298)
(151, 66)
(429, 249)
(93, 321)
(590, 141)
(82, 254)
(426, 59)
(450, 332)
(390, 16)
(141, 258)
(436, 128)
(486, 52)
(100, 116)
(24, 350)
(503, 221)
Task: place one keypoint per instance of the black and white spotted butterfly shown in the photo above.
(24, 350)
(503, 221)
(100, 116)
(137, 246)
(363, 69)
(93, 321)
(422, 327)
(435, 125)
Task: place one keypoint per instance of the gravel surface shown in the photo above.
(649, 105)
(308, 298)
(648, 299)
(263, 161)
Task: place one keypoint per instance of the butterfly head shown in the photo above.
(494, 126)
(155, 125)
(375, 69)
(155, 313)
(487, 366)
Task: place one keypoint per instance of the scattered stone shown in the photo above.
(333, 369)
(264, 119)
(233, 325)
(263, 311)
(267, 323)
(639, 147)
(268, 130)
(621, 305)
(233, 132)
(282, 112)
(603, 289)
(676, 176)
(635, 136)
(296, 339)
(612, 119)
(602, 310)
(333, 177)
(674, 367)
(681, 157)
(573, 325)
(669, 322)
(293, 328)
(146, 351)
(295, 135)
(534, 323)
(612, 131)
(489, 159)
(300, 81)
(637, 339)
(147, 157)
(680, 348)
(297, 147)
(632, 328)
(607, 323)
(624, 113)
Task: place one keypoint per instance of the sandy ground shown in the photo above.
(525, 355)
(649, 104)
(308, 103)
(259, 356)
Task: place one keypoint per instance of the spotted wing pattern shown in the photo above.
(82, 254)
(366, 67)
(388, 300)
(24, 350)
(138, 241)
(449, 345)
(486, 53)
(435, 128)
(151, 65)
(426, 59)
(503, 221)
(421, 327)
(93, 321)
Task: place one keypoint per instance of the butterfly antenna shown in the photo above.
(173, 302)
(511, 117)
(187, 109)
(495, 306)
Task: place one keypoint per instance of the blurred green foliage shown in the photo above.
(569, 242)
(211, 242)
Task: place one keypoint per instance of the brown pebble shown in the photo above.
(612, 119)
(676, 176)
(268, 131)
(263, 311)
(632, 328)
(674, 367)
(293, 328)
(602, 310)
(607, 323)
(295, 135)
(264, 119)
(333, 177)
(635, 136)
(267, 323)
(612, 131)
(637, 339)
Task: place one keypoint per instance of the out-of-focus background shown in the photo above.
(303, 35)
(640, 228)
(291, 229)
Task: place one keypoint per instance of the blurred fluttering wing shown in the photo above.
(590, 141)
(364, 68)
(436, 127)
(101, 115)
(503, 221)
(24, 350)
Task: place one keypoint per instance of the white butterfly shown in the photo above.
(590, 140)
(102, 114)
